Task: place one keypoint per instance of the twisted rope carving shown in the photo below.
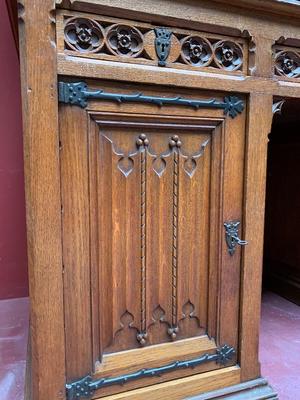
(143, 235)
(175, 143)
(174, 248)
(142, 143)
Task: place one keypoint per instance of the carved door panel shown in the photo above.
(151, 289)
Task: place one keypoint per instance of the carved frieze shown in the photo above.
(128, 41)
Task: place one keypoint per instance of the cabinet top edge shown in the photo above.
(282, 7)
(278, 7)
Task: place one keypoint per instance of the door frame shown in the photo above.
(78, 131)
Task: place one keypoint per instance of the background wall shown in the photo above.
(13, 258)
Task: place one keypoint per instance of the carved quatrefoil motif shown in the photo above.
(84, 35)
(124, 40)
(196, 51)
(287, 63)
(228, 55)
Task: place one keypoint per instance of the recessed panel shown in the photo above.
(154, 192)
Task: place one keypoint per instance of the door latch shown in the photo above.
(232, 236)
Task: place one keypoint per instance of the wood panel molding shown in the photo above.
(100, 69)
(257, 389)
(181, 388)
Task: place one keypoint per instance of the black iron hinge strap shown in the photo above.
(84, 388)
(78, 93)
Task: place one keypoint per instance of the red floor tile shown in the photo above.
(13, 347)
(280, 345)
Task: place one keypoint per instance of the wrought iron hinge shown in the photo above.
(78, 93)
(85, 388)
(232, 236)
(162, 45)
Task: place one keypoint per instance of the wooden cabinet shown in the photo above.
(145, 131)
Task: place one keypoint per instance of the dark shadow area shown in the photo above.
(282, 218)
(280, 322)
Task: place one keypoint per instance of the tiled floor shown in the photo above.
(279, 346)
(13, 347)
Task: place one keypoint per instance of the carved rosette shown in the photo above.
(124, 40)
(228, 55)
(287, 63)
(196, 51)
(84, 35)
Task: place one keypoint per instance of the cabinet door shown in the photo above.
(151, 290)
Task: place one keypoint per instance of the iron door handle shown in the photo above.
(232, 236)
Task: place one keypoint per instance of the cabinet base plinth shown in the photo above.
(257, 389)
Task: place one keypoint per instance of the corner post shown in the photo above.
(260, 117)
(43, 203)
